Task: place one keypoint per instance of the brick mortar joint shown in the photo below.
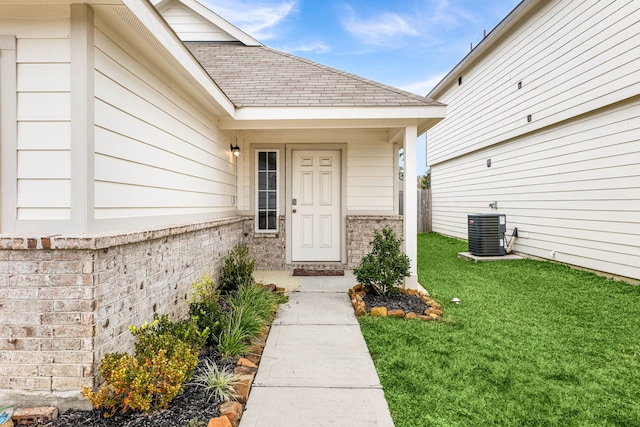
(103, 241)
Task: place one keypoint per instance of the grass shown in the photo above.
(531, 344)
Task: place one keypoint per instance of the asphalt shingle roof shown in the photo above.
(258, 76)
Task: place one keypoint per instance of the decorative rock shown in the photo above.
(410, 315)
(379, 312)
(411, 292)
(255, 358)
(361, 293)
(396, 313)
(222, 421)
(243, 387)
(435, 305)
(350, 292)
(233, 411)
(434, 316)
(427, 312)
(423, 317)
(437, 311)
(244, 370)
(361, 309)
(248, 363)
(359, 297)
(281, 290)
(358, 287)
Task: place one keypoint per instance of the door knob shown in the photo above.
(294, 211)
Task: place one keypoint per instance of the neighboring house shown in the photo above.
(551, 98)
(120, 188)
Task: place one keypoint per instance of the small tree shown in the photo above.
(237, 269)
(385, 267)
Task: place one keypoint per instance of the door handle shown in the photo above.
(294, 211)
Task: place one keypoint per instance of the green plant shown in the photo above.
(217, 383)
(166, 355)
(205, 308)
(237, 269)
(233, 340)
(385, 267)
(143, 384)
(196, 422)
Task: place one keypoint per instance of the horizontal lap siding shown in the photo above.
(156, 153)
(370, 175)
(573, 189)
(572, 57)
(43, 128)
(190, 27)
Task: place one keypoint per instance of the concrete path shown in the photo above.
(316, 369)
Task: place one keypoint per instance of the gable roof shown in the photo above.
(258, 76)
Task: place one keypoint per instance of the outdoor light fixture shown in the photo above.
(235, 150)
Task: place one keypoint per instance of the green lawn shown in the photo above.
(531, 344)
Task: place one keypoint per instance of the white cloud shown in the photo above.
(258, 18)
(423, 87)
(313, 47)
(382, 29)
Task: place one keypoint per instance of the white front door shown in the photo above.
(315, 206)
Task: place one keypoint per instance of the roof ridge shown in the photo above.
(347, 74)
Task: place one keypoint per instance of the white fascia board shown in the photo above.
(333, 117)
(328, 113)
(220, 22)
(151, 18)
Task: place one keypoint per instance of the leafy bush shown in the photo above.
(384, 268)
(217, 383)
(165, 358)
(237, 269)
(205, 307)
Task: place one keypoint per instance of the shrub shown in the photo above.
(165, 358)
(384, 268)
(233, 340)
(217, 383)
(205, 308)
(237, 269)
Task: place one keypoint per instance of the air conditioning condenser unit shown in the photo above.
(486, 234)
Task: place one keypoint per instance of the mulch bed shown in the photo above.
(404, 302)
(192, 403)
(307, 272)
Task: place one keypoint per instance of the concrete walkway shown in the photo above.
(316, 369)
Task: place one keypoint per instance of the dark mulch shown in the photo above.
(191, 404)
(307, 272)
(402, 302)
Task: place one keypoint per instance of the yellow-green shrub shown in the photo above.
(166, 356)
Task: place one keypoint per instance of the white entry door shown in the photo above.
(316, 206)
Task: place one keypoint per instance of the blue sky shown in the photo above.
(409, 44)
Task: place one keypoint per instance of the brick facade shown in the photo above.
(360, 230)
(66, 302)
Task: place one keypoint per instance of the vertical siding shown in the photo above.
(43, 128)
(571, 57)
(156, 154)
(573, 190)
(190, 27)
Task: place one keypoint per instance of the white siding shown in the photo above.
(157, 155)
(43, 111)
(573, 188)
(191, 27)
(572, 57)
(370, 164)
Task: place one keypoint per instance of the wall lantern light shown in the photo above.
(235, 150)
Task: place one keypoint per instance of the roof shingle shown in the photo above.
(259, 76)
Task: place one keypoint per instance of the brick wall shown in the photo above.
(65, 302)
(268, 249)
(360, 230)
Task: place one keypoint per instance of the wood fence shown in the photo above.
(424, 210)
